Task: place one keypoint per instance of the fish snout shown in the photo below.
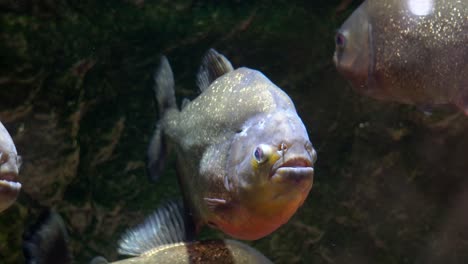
(295, 164)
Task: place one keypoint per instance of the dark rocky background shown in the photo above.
(75, 93)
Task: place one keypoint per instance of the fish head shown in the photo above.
(270, 168)
(10, 164)
(354, 55)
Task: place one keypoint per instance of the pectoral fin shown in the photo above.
(215, 204)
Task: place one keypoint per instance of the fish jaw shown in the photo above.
(293, 174)
(263, 209)
(292, 181)
(253, 219)
(9, 185)
(9, 190)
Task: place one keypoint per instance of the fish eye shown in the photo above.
(340, 40)
(4, 157)
(260, 154)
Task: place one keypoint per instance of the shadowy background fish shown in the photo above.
(411, 51)
(10, 164)
(161, 238)
(244, 157)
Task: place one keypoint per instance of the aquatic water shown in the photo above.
(390, 183)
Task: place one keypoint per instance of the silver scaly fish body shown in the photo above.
(244, 156)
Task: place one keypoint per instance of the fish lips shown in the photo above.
(9, 190)
(9, 182)
(296, 170)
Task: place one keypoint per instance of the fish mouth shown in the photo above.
(9, 181)
(295, 170)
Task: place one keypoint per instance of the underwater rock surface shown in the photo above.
(75, 95)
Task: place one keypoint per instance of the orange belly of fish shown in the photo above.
(255, 223)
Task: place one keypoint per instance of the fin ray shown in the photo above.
(215, 203)
(213, 65)
(165, 226)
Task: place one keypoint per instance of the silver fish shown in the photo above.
(245, 161)
(407, 51)
(161, 238)
(10, 163)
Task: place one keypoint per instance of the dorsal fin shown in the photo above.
(213, 65)
(165, 226)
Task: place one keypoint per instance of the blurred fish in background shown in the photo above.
(411, 51)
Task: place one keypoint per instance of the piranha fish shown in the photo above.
(10, 163)
(244, 159)
(407, 51)
(161, 239)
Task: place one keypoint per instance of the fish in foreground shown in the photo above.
(407, 51)
(244, 158)
(161, 239)
(10, 163)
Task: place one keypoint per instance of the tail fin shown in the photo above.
(45, 242)
(165, 226)
(165, 98)
(164, 86)
(156, 154)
